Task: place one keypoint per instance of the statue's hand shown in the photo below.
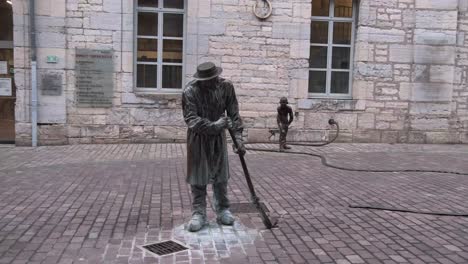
(222, 123)
(241, 148)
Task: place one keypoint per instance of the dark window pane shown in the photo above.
(147, 50)
(318, 57)
(172, 51)
(146, 76)
(317, 81)
(340, 82)
(340, 58)
(343, 8)
(147, 24)
(179, 4)
(319, 32)
(148, 3)
(6, 22)
(320, 7)
(342, 33)
(172, 76)
(173, 25)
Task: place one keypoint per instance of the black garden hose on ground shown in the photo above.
(327, 164)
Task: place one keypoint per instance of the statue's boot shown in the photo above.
(221, 204)
(198, 219)
(286, 146)
(197, 222)
(225, 218)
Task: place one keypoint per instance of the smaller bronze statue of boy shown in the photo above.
(284, 110)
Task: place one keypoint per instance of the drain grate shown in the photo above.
(246, 208)
(165, 248)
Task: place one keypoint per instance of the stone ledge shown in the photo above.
(327, 104)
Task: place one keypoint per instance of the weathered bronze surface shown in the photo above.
(284, 119)
(205, 102)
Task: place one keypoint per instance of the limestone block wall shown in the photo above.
(409, 80)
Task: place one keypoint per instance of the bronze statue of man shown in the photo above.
(284, 111)
(205, 101)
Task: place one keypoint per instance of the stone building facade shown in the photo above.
(408, 65)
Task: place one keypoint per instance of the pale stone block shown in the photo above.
(367, 15)
(374, 70)
(431, 92)
(127, 22)
(112, 6)
(442, 137)
(127, 61)
(105, 21)
(73, 131)
(21, 57)
(430, 108)
(291, 31)
(101, 131)
(434, 54)
(436, 19)
(389, 137)
(367, 136)
(463, 5)
(437, 4)
(298, 88)
(204, 8)
(52, 109)
(363, 89)
(211, 26)
(302, 10)
(430, 37)
(170, 133)
(366, 121)
(50, 24)
(424, 123)
(127, 6)
(55, 8)
(442, 73)
(372, 34)
(50, 40)
(300, 49)
(401, 53)
(364, 51)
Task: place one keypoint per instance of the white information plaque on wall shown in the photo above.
(3, 67)
(5, 87)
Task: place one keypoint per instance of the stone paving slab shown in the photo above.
(98, 203)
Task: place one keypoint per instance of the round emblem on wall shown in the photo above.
(262, 9)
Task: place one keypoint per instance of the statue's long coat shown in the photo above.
(207, 156)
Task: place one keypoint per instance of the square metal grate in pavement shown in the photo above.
(246, 208)
(165, 248)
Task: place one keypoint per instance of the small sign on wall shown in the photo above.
(94, 78)
(5, 87)
(51, 84)
(3, 67)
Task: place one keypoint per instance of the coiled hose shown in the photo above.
(327, 164)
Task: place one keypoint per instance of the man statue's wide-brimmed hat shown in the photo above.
(207, 71)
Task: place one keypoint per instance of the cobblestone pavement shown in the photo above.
(99, 203)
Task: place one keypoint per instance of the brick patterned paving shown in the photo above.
(97, 203)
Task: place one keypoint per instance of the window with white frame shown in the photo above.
(159, 45)
(331, 48)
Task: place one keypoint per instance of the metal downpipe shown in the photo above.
(32, 36)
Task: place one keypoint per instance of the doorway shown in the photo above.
(7, 83)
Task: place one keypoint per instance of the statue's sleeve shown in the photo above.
(232, 109)
(291, 116)
(196, 123)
